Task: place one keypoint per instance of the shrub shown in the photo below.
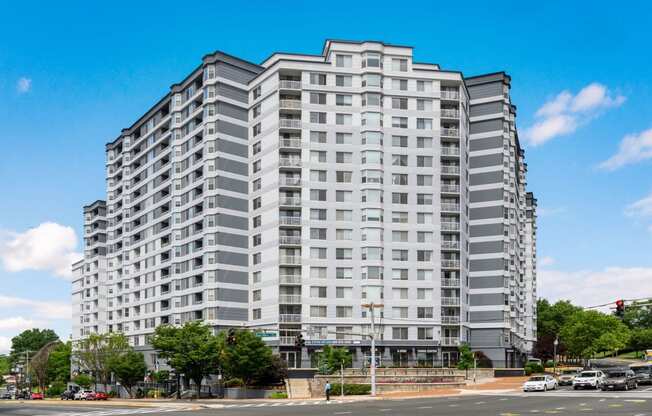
(533, 368)
(550, 363)
(56, 389)
(350, 389)
(234, 382)
(113, 393)
(278, 395)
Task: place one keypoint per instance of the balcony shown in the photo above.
(289, 84)
(450, 341)
(289, 318)
(450, 301)
(450, 320)
(450, 282)
(290, 201)
(450, 207)
(450, 170)
(450, 151)
(285, 162)
(450, 264)
(293, 240)
(289, 181)
(290, 260)
(290, 143)
(450, 188)
(289, 123)
(286, 340)
(449, 132)
(450, 95)
(292, 104)
(290, 279)
(450, 245)
(289, 220)
(450, 226)
(289, 299)
(449, 113)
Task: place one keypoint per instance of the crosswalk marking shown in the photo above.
(119, 412)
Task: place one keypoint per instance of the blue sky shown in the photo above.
(72, 74)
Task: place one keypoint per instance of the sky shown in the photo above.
(73, 74)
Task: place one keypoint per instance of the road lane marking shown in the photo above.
(342, 413)
(385, 410)
(636, 400)
(425, 407)
(585, 409)
(615, 405)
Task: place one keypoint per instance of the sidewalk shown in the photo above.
(492, 385)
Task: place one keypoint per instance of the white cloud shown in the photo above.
(640, 208)
(5, 345)
(589, 287)
(49, 246)
(24, 85)
(633, 148)
(40, 309)
(18, 323)
(563, 114)
(547, 261)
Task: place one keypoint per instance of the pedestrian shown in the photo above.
(327, 390)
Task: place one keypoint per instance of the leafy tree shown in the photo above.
(331, 359)
(637, 316)
(59, 363)
(466, 357)
(159, 376)
(191, 349)
(94, 353)
(277, 372)
(30, 340)
(39, 364)
(550, 320)
(129, 368)
(248, 359)
(588, 332)
(84, 380)
(5, 365)
(641, 339)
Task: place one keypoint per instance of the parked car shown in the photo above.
(540, 383)
(36, 396)
(588, 379)
(85, 395)
(100, 395)
(6, 395)
(619, 380)
(68, 395)
(567, 376)
(643, 373)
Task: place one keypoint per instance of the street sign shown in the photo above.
(267, 334)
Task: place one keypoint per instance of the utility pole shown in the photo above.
(342, 379)
(554, 355)
(372, 367)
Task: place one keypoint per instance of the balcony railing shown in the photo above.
(451, 170)
(291, 162)
(293, 201)
(286, 340)
(289, 220)
(450, 341)
(450, 207)
(450, 245)
(289, 181)
(289, 84)
(292, 143)
(450, 282)
(450, 301)
(450, 113)
(290, 240)
(450, 151)
(450, 226)
(450, 188)
(289, 318)
(291, 260)
(289, 299)
(289, 123)
(449, 132)
(290, 279)
(450, 320)
(450, 264)
(289, 103)
(451, 95)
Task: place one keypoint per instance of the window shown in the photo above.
(344, 311)
(373, 60)
(256, 258)
(318, 272)
(318, 195)
(343, 292)
(372, 137)
(317, 117)
(424, 313)
(424, 333)
(372, 176)
(399, 274)
(344, 273)
(343, 61)
(424, 255)
(400, 293)
(400, 236)
(256, 314)
(371, 253)
(257, 221)
(343, 253)
(424, 123)
(343, 119)
(399, 179)
(318, 253)
(256, 147)
(424, 218)
(399, 84)
(318, 79)
(399, 217)
(424, 86)
(343, 157)
(399, 333)
(399, 141)
(256, 240)
(257, 203)
(400, 103)
(424, 237)
(343, 100)
(372, 119)
(424, 105)
(257, 296)
(256, 92)
(343, 215)
(343, 80)
(317, 291)
(317, 98)
(372, 215)
(399, 312)
(400, 122)
(257, 166)
(317, 137)
(318, 233)
(256, 111)
(372, 273)
(424, 161)
(257, 129)
(371, 100)
(372, 80)
(317, 214)
(343, 234)
(370, 156)
(399, 198)
(371, 234)
(318, 156)
(424, 199)
(343, 176)
(399, 64)
(424, 274)
(343, 138)
(400, 255)
(399, 160)
(318, 311)
(424, 142)
(424, 294)
(424, 180)
(318, 175)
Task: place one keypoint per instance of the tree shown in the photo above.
(129, 368)
(641, 339)
(550, 320)
(247, 359)
(59, 363)
(30, 341)
(5, 365)
(466, 357)
(637, 316)
(191, 349)
(94, 352)
(331, 359)
(587, 332)
(83, 380)
(39, 364)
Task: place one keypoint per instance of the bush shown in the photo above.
(550, 363)
(234, 382)
(533, 368)
(56, 389)
(113, 393)
(278, 395)
(350, 389)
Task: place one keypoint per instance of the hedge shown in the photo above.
(350, 389)
(533, 368)
(278, 395)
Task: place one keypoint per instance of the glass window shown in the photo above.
(372, 137)
(372, 80)
(400, 255)
(344, 273)
(400, 103)
(399, 64)
(371, 99)
(343, 80)
(399, 84)
(317, 137)
(318, 253)
(343, 234)
(424, 180)
(343, 157)
(399, 160)
(318, 175)
(424, 105)
(400, 122)
(318, 214)
(424, 274)
(424, 142)
(343, 100)
(343, 61)
(424, 123)
(317, 79)
(317, 98)
(399, 141)
(343, 253)
(343, 119)
(399, 217)
(399, 274)
(344, 215)
(343, 176)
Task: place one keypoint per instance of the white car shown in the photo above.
(540, 383)
(84, 395)
(592, 379)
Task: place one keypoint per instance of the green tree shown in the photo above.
(5, 365)
(550, 320)
(59, 363)
(83, 380)
(191, 349)
(466, 357)
(641, 339)
(331, 359)
(248, 359)
(129, 368)
(30, 341)
(94, 353)
(588, 332)
(638, 316)
(39, 364)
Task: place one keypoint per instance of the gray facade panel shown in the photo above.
(486, 337)
(232, 221)
(233, 111)
(231, 276)
(486, 316)
(230, 202)
(491, 89)
(495, 159)
(485, 109)
(232, 295)
(233, 148)
(232, 314)
(485, 247)
(486, 299)
(233, 93)
(233, 240)
(482, 265)
(232, 184)
(232, 166)
(486, 282)
(231, 129)
(237, 259)
(484, 230)
(485, 178)
(486, 126)
(233, 73)
(486, 212)
(486, 195)
(486, 143)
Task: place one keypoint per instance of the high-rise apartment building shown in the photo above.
(291, 196)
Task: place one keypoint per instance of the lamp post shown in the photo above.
(554, 355)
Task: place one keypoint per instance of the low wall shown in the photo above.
(239, 393)
(480, 373)
(389, 383)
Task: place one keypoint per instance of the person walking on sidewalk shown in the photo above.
(327, 390)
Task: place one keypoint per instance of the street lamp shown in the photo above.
(554, 355)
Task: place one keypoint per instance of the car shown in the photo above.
(566, 377)
(85, 395)
(6, 395)
(588, 379)
(100, 395)
(68, 395)
(643, 373)
(540, 383)
(619, 380)
(36, 396)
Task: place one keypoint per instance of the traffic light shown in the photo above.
(299, 341)
(230, 339)
(620, 308)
